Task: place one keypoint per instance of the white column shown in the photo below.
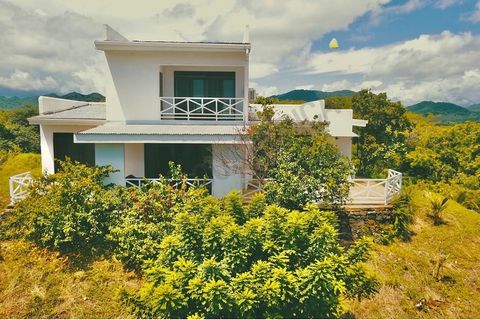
(226, 167)
(111, 154)
(46, 147)
(134, 159)
(344, 144)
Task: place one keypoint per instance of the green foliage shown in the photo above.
(12, 164)
(381, 144)
(71, 211)
(338, 102)
(301, 162)
(277, 263)
(402, 215)
(437, 207)
(15, 132)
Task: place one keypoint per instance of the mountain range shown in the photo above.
(443, 111)
(13, 102)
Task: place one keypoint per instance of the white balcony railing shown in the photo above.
(193, 108)
(140, 182)
(19, 186)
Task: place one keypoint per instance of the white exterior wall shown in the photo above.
(112, 154)
(344, 144)
(46, 143)
(132, 93)
(134, 159)
(227, 171)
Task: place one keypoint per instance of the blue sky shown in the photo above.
(412, 49)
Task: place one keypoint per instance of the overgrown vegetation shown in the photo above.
(200, 256)
(301, 163)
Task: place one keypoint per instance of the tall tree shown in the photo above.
(382, 143)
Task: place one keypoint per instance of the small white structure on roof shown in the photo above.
(185, 102)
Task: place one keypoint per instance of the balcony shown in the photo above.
(199, 108)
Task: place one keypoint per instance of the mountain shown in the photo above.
(446, 111)
(13, 102)
(312, 95)
(474, 107)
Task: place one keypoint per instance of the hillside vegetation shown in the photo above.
(445, 111)
(311, 95)
(16, 102)
(406, 269)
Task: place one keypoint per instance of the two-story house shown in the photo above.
(185, 102)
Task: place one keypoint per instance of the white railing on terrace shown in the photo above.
(193, 108)
(140, 182)
(362, 191)
(376, 191)
(18, 185)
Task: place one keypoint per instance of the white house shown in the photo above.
(185, 102)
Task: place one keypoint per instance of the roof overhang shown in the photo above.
(162, 134)
(107, 45)
(70, 122)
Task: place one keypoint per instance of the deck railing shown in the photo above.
(18, 185)
(362, 191)
(193, 108)
(140, 182)
(376, 191)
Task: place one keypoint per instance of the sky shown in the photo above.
(412, 49)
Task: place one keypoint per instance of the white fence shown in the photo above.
(140, 182)
(193, 108)
(362, 191)
(18, 185)
(376, 191)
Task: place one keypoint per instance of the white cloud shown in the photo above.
(430, 66)
(443, 4)
(54, 37)
(475, 16)
(48, 53)
(264, 91)
(260, 70)
(305, 87)
(337, 85)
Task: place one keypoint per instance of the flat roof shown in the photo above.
(157, 45)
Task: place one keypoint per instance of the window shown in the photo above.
(204, 84)
(63, 147)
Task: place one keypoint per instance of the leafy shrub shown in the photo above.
(438, 205)
(72, 211)
(277, 263)
(147, 217)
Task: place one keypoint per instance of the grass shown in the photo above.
(15, 164)
(408, 270)
(36, 283)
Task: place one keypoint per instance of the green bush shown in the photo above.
(279, 263)
(71, 211)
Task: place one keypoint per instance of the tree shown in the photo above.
(382, 143)
(299, 160)
(283, 263)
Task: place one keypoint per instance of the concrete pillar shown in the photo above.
(46, 147)
(135, 159)
(227, 169)
(111, 154)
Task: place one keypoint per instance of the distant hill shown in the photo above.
(13, 102)
(312, 95)
(474, 107)
(446, 111)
